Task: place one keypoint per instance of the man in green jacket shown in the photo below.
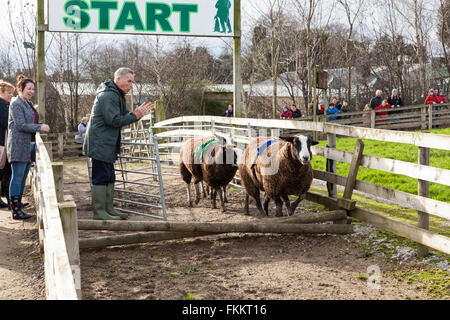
(102, 141)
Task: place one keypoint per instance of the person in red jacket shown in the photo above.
(384, 105)
(442, 97)
(431, 98)
(286, 113)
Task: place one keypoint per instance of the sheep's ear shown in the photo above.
(288, 139)
(312, 142)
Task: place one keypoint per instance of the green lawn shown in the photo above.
(398, 151)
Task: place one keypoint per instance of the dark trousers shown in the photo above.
(102, 173)
(5, 178)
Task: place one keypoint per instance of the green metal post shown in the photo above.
(237, 77)
(41, 27)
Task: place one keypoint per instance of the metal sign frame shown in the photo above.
(43, 27)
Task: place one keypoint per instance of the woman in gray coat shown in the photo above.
(23, 123)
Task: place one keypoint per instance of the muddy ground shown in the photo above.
(233, 266)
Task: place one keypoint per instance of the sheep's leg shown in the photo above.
(213, 198)
(296, 202)
(197, 193)
(188, 188)
(260, 208)
(247, 212)
(266, 205)
(203, 190)
(225, 193)
(279, 204)
(222, 202)
(285, 199)
(186, 175)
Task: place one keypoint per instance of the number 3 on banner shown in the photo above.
(374, 281)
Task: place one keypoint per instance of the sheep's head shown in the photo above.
(232, 155)
(302, 147)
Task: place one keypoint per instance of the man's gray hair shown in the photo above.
(122, 72)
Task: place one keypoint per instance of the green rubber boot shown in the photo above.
(99, 204)
(110, 203)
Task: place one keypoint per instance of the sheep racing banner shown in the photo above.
(180, 17)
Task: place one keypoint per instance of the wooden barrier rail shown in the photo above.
(58, 232)
(243, 129)
(408, 117)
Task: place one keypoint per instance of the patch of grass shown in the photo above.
(189, 296)
(116, 264)
(389, 150)
(434, 281)
(191, 269)
(362, 276)
(409, 216)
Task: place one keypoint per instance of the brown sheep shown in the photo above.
(209, 160)
(280, 168)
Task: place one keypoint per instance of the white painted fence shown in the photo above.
(174, 131)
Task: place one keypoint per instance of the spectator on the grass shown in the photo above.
(286, 113)
(377, 100)
(332, 109)
(296, 113)
(384, 105)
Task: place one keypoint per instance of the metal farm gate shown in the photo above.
(139, 185)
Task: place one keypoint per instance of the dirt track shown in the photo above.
(234, 266)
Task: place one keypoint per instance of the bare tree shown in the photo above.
(314, 19)
(444, 30)
(420, 22)
(352, 10)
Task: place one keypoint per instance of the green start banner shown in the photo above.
(178, 18)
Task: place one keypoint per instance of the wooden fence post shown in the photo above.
(423, 118)
(372, 119)
(346, 201)
(49, 147)
(424, 191)
(60, 145)
(58, 175)
(430, 117)
(68, 214)
(331, 165)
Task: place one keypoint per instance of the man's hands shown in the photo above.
(144, 109)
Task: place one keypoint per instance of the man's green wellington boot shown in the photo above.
(110, 203)
(99, 204)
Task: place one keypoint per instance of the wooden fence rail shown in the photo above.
(243, 129)
(58, 233)
(64, 145)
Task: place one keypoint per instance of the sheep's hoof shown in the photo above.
(197, 200)
(223, 210)
(190, 205)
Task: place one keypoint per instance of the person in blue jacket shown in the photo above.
(332, 110)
